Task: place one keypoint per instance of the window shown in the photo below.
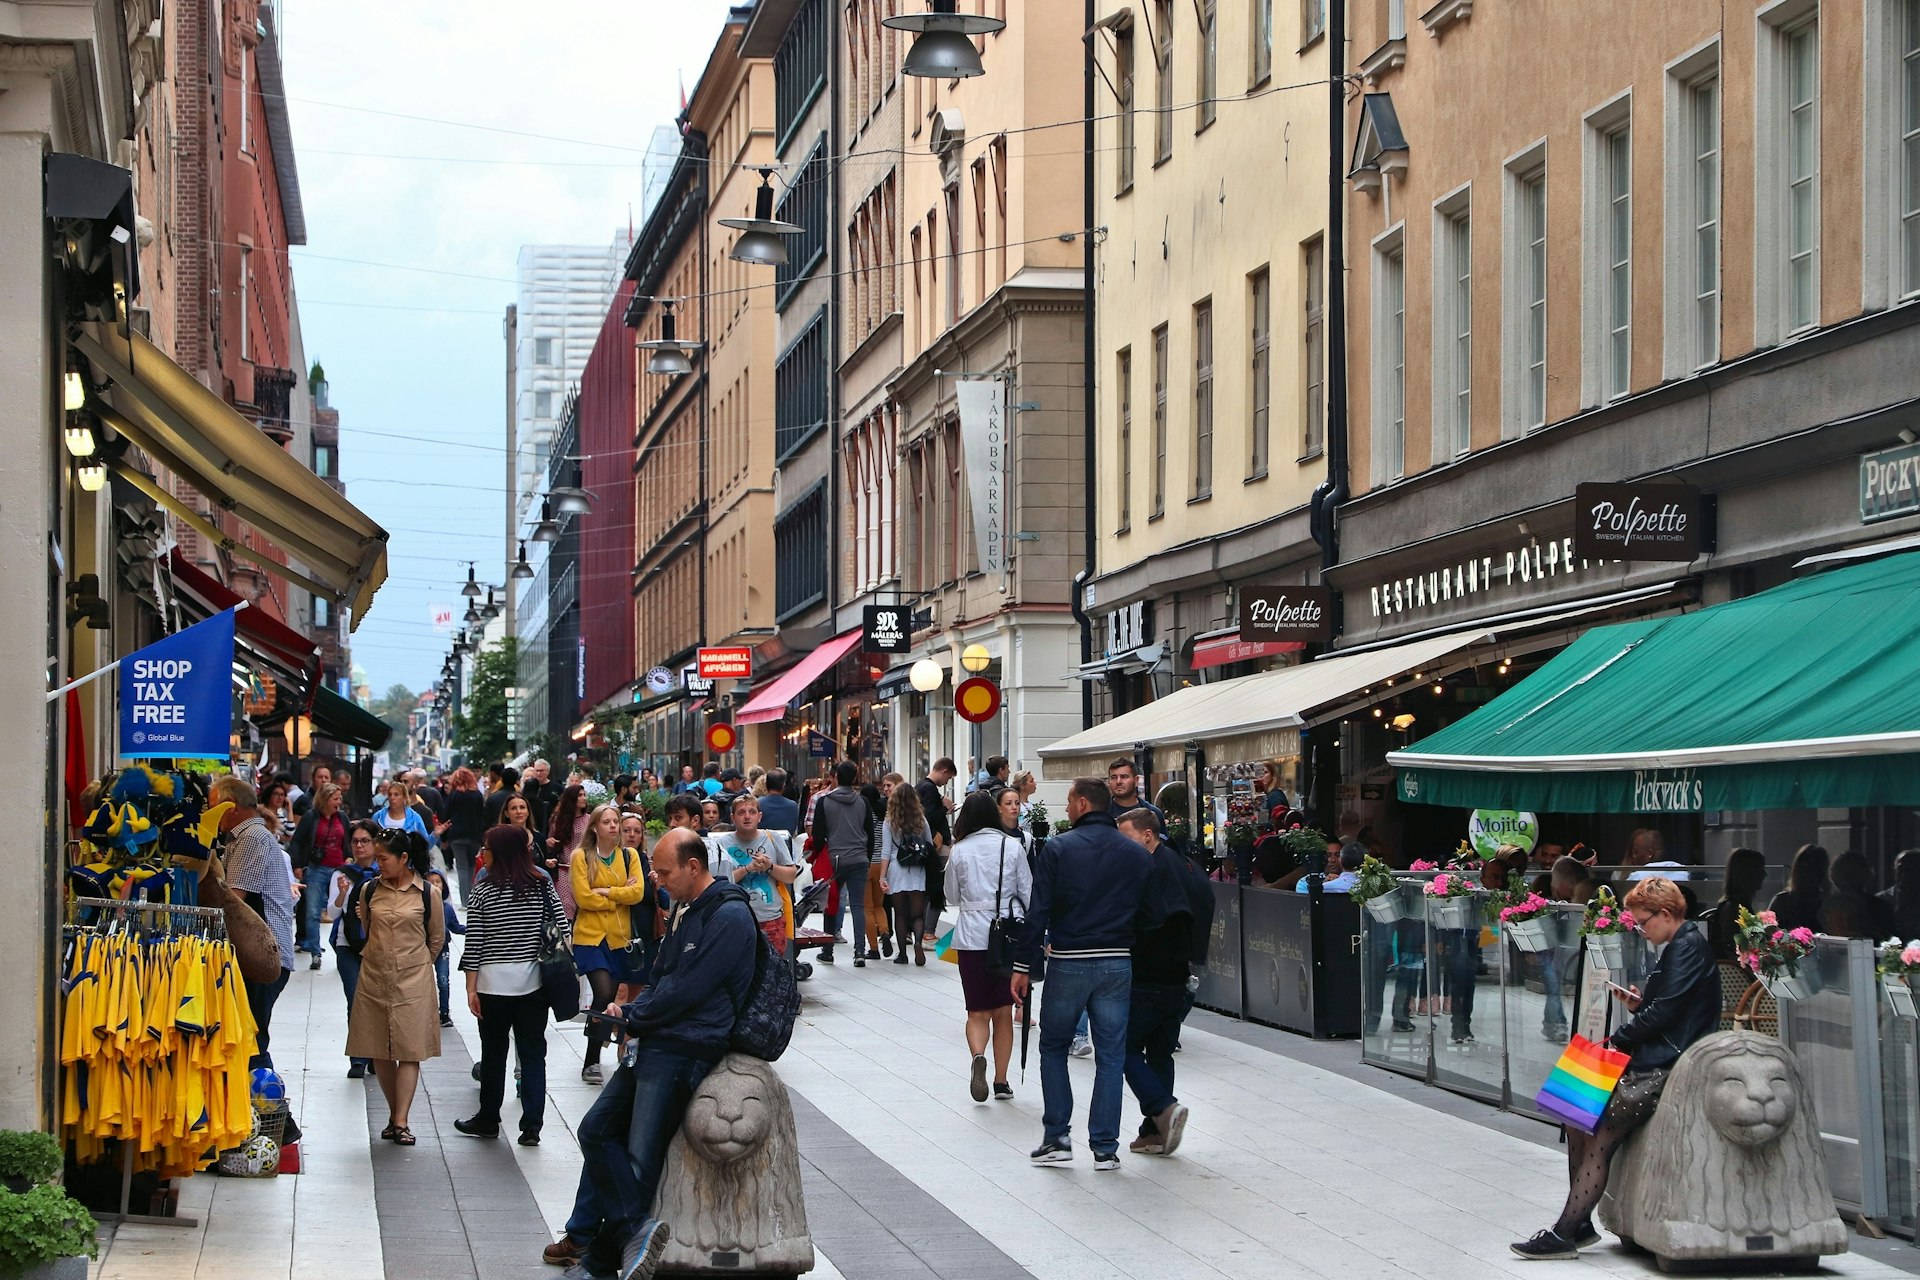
(1803, 175)
(1203, 400)
(1314, 411)
(543, 404)
(1692, 242)
(1208, 78)
(1606, 295)
(1159, 507)
(799, 568)
(803, 203)
(1313, 21)
(1163, 80)
(1389, 358)
(1123, 390)
(1123, 78)
(543, 352)
(1787, 172)
(1261, 24)
(246, 295)
(800, 387)
(1909, 167)
(799, 68)
(1259, 371)
(980, 238)
(1452, 328)
(325, 460)
(953, 252)
(1523, 332)
(322, 613)
(246, 102)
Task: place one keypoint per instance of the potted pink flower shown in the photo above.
(1605, 928)
(1899, 962)
(1451, 903)
(1774, 955)
(1526, 922)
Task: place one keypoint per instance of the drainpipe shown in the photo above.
(1333, 490)
(1090, 471)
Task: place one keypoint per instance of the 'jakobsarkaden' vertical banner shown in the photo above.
(176, 695)
(983, 441)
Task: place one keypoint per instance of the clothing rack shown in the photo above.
(164, 918)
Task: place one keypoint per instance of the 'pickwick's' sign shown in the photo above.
(1890, 482)
(1636, 521)
(1286, 613)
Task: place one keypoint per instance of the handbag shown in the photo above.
(1003, 931)
(914, 851)
(640, 915)
(559, 977)
(1582, 1083)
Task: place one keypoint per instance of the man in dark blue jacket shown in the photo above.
(679, 1027)
(1090, 897)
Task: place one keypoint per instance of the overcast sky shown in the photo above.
(413, 347)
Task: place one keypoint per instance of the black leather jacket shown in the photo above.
(1680, 1004)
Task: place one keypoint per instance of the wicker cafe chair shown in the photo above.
(1758, 1011)
(1734, 981)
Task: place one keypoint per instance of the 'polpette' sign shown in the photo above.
(176, 695)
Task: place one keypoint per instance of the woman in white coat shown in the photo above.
(987, 877)
(906, 887)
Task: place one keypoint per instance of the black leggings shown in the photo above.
(1590, 1155)
(604, 985)
(909, 911)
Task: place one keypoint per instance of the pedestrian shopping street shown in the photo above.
(1297, 1161)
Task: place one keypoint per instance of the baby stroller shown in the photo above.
(812, 899)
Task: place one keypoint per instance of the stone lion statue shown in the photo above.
(1730, 1165)
(731, 1189)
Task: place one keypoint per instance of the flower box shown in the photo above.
(1795, 982)
(1608, 950)
(1462, 911)
(1532, 934)
(1899, 989)
(1390, 907)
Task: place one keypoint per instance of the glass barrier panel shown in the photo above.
(1563, 991)
(1463, 998)
(1900, 1106)
(1819, 1028)
(1393, 974)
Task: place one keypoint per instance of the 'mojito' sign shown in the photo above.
(1636, 522)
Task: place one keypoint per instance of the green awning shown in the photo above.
(336, 718)
(1805, 696)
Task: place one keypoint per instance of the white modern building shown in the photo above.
(565, 290)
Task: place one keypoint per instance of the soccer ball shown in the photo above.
(257, 1157)
(268, 1087)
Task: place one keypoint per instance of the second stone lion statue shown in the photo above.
(731, 1190)
(1730, 1165)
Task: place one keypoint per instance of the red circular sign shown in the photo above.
(721, 738)
(977, 700)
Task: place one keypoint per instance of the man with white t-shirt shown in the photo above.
(761, 860)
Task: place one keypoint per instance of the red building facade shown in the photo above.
(607, 425)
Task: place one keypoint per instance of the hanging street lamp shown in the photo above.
(762, 237)
(943, 40)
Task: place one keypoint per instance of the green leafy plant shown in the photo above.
(1062, 827)
(656, 827)
(1178, 828)
(1376, 880)
(1038, 819)
(482, 731)
(1605, 916)
(1241, 834)
(29, 1157)
(41, 1225)
(1305, 844)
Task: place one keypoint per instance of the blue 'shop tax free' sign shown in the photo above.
(176, 695)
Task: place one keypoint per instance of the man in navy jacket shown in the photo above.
(1090, 897)
(680, 1026)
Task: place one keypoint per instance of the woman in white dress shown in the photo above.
(987, 876)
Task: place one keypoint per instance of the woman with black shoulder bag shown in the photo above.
(988, 882)
(906, 853)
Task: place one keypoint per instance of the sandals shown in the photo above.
(386, 1134)
(403, 1137)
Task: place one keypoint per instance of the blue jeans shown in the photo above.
(1556, 1012)
(443, 977)
(1154, 1015)
(349, 966)
(313, 900)
(623, 1138)
(1102, 990)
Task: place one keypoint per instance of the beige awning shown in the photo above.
(185, 427)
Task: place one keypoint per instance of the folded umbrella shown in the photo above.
(1026, 1031)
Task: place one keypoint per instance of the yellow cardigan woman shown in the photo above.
(607, 882)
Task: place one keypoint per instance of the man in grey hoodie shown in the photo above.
(843, 824)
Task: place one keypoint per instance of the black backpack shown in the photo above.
(763, 1024)
(914, 851)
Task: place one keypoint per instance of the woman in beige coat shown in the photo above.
(396, 1011)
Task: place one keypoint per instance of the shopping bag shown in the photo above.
(1577, 1090)
(943, 949)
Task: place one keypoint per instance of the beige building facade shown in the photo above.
(1210, 189)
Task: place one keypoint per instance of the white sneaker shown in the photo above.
(1108, 1162)
(1081, 1048)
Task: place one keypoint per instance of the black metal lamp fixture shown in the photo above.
(472, 589)
(491, 609)
(669, 356)
(472, 614)
(762, 237)
(522, 571)
(942, 44)
(546, 530)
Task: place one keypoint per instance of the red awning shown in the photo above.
(1217, 653)
(769, 702)
(253, 625)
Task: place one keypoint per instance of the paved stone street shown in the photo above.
(1298, 1161)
